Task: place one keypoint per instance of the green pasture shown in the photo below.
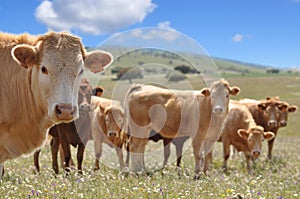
(275, 179)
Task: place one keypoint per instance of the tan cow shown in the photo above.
(107, 121)
(241, 131)
(271, 114)
(174, 113)
(40, 78)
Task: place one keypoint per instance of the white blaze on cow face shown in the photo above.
(220, 92)
(255, 136)
(57, 63)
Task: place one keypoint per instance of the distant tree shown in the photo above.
(183, 68)
(273, 70)
(175, 76)
(116, 69)
(129, 73)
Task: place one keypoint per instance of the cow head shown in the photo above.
(114, 119)
(254, 137)
(271, 112)
(56, 62)
(285, 108)
(219, 92)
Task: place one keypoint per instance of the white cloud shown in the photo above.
(237, 38)
(92, 16)
(163, 31)
(164, 24)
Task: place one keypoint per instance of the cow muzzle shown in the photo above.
(113, 134)
(283, 123)
(85, 107)
(218, 110)
(272, 123)
(65, 112)
(255, 154)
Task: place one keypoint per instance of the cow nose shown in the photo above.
(283, 123)
(65, 111)
(112, 134)
(272, 123)
(85, 107)
(256, 153)
(218, 110)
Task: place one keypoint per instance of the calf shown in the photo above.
(241, 131)
(76, 133)
(271, 114)
(107, 122)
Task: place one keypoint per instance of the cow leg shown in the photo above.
(226, 153)
(137, 149)
(98, 153)
(167, 150)
(54, 150)
(36, 159)
(80, 152)
(179, 147)
(120, 156)
(1, 171)
(127, 155)
(270, 148)
(67, 153)
(249, 162)
(207, 161)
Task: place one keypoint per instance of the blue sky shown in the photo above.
(256, 31)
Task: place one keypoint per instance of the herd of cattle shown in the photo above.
(42, 92)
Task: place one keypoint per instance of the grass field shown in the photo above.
(278, 178)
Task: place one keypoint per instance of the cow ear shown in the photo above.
(98, 91)
(292, 109)
(243, 133)
(96, 61)
(234, 90)
(269, 135)
(205, 92)
(25, 55)
(262, 106)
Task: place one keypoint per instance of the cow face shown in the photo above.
(220, 92)
(254, 137)
(84, 95)
(56, 65)
(284, 110)
(271, 112)
(114, 117)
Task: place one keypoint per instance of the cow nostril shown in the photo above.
(218, 110)
(256, 153)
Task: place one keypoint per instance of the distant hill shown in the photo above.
(167, 59)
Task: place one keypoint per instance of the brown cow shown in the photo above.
(241, 131)
(174, 113)
(76, 133)
(40, 78)
(271, 114)
(107, 122)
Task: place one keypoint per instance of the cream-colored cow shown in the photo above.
(174, 113)
(40, 77)
(106, 125)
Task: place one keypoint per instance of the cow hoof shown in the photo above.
(197, 176)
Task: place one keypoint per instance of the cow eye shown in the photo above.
(44, 70)
(81, 72)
